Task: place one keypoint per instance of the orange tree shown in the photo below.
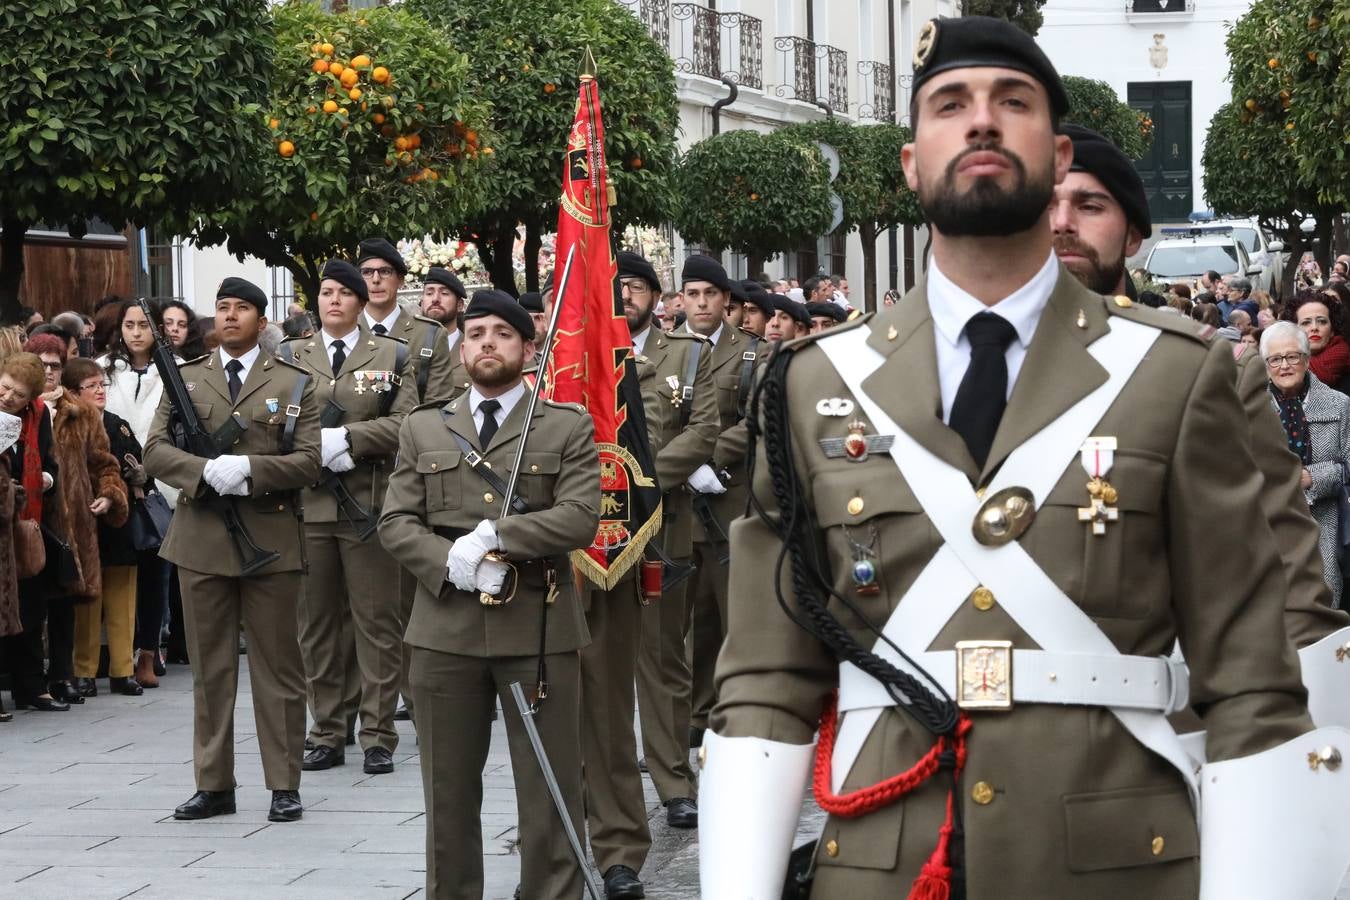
(870, 183)
(757, 194)
(525, 57)
(124, 110)
(1096, 105)
(370, 129)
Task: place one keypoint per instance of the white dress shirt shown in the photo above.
(247, 361)
(507, 400)
(952, 308)
(348, 342)
(453, 339)
(388, 323)
(640, 341)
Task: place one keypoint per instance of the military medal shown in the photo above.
(677, 396)
(864, 570)
(834, 406)
(857, 444)
(360, 378)
(1097, 455)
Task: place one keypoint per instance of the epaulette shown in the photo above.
(805, 339)
(188, 362)
(748, 333)
(297, 337)
(292, 365)
(430, 404)
(430, 321)
(685, 335)
(574, 407)
(389, 337)
(1123, 306)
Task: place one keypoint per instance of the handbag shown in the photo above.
(1343, 504)
(66, 570)
(30, 552)
(150, 522)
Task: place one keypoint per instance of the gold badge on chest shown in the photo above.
(1097, 456)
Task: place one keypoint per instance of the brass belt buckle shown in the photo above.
(984, 675)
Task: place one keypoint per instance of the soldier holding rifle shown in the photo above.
(496, 602)
(364, 385)
(238, 434)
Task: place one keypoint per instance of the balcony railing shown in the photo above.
(878, 91)
(816, 73)
(717, 45)
(655, 15)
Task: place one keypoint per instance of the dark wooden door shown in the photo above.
(1166, 167)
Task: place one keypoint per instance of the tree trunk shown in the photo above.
(1295, 244)
(755, 264)
(305, 275)
(867, 233)
(1326, 226)
(496, 255)
(533, 241)
(12, 233)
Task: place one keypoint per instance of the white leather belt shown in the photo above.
(1039, 676)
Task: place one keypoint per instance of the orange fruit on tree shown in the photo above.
(380, 74)
(550, 88)
(320, 66)
(414, 141)
(273, 123)
(378, 118)
(336, 68)
(361, 61)
(314, 217)
(400, 143)
(488, 151)
(342, 111)
(471, 137)
(354, 94)
(326, 49)
(387, 131)
(312, 110)
(388, 102)
(286, 149)
(349, 78)
(316, 49)
(1273, 63)
(330, 106)
(636, 162)
(433, 175)
(1312, 56)
(405, 157)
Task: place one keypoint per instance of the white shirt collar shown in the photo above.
(508, 401)
(247, 360)
(388, 322)
(952, 308)
(348, 340)
(640, 340)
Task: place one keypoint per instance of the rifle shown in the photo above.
(362, 522)
(712, 527)
(191, 435)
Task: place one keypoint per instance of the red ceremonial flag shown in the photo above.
(591, 362)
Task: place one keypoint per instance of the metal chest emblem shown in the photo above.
(984, 675)
(1097, 456)
(1004, 517)
(857, 445)
(679, 395)
(834, 406)
(190, 385)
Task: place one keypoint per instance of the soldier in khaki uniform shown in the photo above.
(443, 299)
(440, 520)
(276, 455)
(975, 377)
(383, 268)
(364, 391)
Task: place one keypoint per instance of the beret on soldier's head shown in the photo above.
(788, 306)
(379, 248)
(443, 276)
(983, 42)
(1098, 157)
(827, 310)
(490, 302)
(242, 289)
(739, 293)
(631, 265)
(757, 296)
(347, 275)
(532, 301)
(704, 268)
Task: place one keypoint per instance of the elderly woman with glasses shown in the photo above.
(1318, 430)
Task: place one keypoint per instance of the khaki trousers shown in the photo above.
(407, 591)
(616, 811)
(349, 584)
(705, 629)
(663, 690)
(214, 607)
(455, 696)
(116, 611)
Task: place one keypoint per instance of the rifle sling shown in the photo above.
(293, 413)
(747, 377)
(687, 389)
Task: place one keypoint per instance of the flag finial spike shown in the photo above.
(587, 66)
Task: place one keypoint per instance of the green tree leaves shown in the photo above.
(1095, 104)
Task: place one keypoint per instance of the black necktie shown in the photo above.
(489, 427)
(339, 356)
(379, 329)
(234, 367)
(984, 390)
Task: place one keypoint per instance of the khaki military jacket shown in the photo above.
(1069, 804)
(459, 375)
(679, 451)
(434, 490)
(368, 376)
(427, 345)
(197, 539)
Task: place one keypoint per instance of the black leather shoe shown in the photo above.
(42, 704)
(285, 807)
(379, 761)
(205, 804)
(127, 687)
(682, 813)
(65, 692)
(309, 744)
(321, 758)
(621, 883)
(402, 715)
(695, 737)
(86, 687)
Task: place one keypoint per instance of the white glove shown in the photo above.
(461, 565)
(334, 442)
(343, 462)
(227, 474)
(491, 575)
(705, 481)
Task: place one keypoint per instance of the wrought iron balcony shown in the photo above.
(655, 14)
(878, 91)
(816, 73)
(717, 45)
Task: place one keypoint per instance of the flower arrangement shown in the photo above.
(460, 257)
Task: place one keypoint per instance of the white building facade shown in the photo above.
(1166, 57)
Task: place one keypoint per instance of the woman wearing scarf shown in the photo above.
(1318, 431)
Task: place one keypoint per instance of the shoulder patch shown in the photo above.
(558, 404)
(806, 339)
(293, 365)
(1182, 325)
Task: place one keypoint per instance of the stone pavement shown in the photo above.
(87, 798)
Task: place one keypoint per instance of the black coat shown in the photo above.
(114, 544)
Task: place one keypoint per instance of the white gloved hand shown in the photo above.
(461, 566)
(333, 443)
(491, 575)
(343, 462)
(227, 474)
(705, 481)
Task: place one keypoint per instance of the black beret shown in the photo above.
(379, 248)
(631, 265)
(756, 295)
(1098, 157)
(532, 301)
(241, 289)
(983, 42)
(828, 310)
(347, 275)
(501, 304)
(739, 294)
(442, 275)
(792, 308)
(704, 268)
